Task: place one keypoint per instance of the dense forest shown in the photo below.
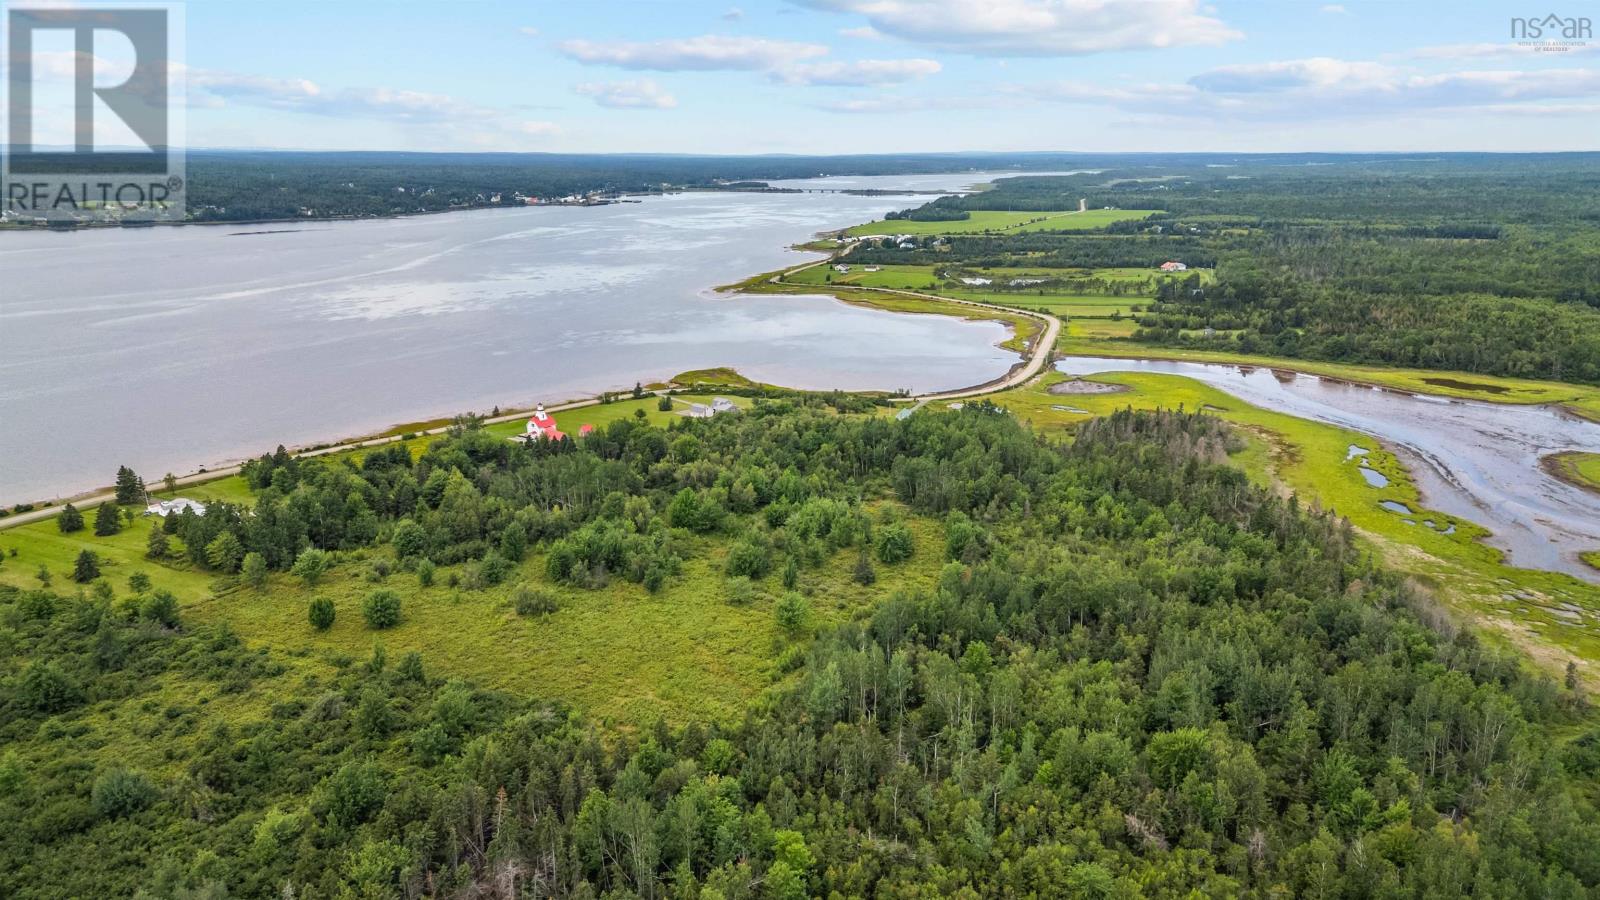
(1480, 264)
(1136, 675)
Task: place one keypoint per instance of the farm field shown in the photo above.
(1005, 220)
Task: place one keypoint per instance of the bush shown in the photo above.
(410, 539)
(864, 574)
(529, 601)
(160, 607)
(381, 609)
(321, 613)
(748, 558)
(254, 570)
(741, 591)
(46, 689)
(664, 403)
(120, 793)
(792, 613)
(311, 565)
(895, 543)
(425, 571)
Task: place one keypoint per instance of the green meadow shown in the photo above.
(1005, 220)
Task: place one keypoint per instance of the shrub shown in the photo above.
(381, 609)
(254, 570)
(864, 574)
(895, 543)
(120, 793)
(160, 607)
(529, 601)
(741, 591)
(311, 565)
(410, 539)
(792, 613)
(425, 571)
(321, 613)
(664, 403)
(748, 558)
(47, 689)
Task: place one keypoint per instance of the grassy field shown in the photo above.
(1581, 469)
(1522, 606)
(1006, 220)
(624, 655)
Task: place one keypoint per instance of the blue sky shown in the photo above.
(833, 76)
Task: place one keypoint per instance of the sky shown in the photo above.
(875, 76)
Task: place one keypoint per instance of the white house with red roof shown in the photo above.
(1173, 266)
(542, 426)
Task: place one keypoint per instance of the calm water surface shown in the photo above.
(1478, 461)
(168, 349)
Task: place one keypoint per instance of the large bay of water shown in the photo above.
(168, 349)
(1477, 461)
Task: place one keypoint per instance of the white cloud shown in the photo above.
(210, 88)
(529, 30)
(640, 94)
(1039, 27)
(860, 73)
(706, 53)
(863, 32)
(733, 14)
(1316, 72)
(1325, 88)
(1334, 9)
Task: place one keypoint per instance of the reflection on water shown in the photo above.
(172, 348)
(1478, 461)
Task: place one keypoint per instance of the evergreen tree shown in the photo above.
(130, 487)
(157, 547)
(87, 567)
(107, 520)
(70, 519)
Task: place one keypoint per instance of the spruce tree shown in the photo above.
(158, 546)
(86, 568)
(107, 520)
(130, 487)
(70, 519)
